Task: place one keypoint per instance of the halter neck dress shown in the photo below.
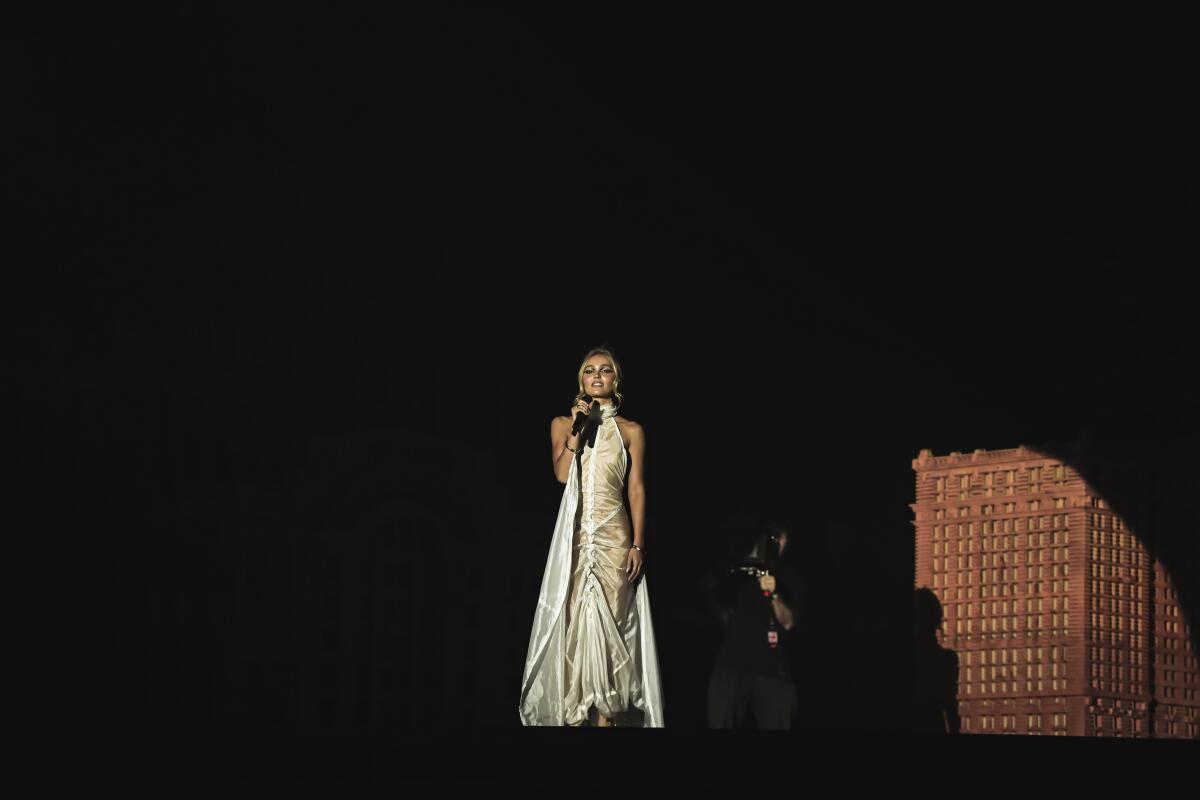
(592, 641)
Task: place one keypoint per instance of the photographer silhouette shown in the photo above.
(760, 599)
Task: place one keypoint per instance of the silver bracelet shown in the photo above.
(639, 549)
(572, 449)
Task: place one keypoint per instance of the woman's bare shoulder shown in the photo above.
(631, 426)
(559, 422)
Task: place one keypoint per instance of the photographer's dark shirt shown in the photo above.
(746, 647)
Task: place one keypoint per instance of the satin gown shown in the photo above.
(592, 642)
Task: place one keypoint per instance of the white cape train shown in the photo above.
(543, 685)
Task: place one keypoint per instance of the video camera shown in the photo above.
(763, 558)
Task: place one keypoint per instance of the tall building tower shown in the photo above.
(1062, 622)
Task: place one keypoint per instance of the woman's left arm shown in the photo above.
(636, 486)
(637, 499)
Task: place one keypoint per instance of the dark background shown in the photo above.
(303, 288)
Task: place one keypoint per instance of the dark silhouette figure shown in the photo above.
(759, 608)
(935, 670)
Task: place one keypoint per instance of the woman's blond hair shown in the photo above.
(600, 351)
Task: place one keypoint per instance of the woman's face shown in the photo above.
(599, 377)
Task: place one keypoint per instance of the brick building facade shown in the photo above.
(1062, 622)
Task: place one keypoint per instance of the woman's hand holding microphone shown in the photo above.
(581, 407)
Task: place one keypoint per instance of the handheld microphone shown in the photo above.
(581, 419)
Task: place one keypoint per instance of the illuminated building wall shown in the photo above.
(1062, 622)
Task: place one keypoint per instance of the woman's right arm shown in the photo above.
(560, 438)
